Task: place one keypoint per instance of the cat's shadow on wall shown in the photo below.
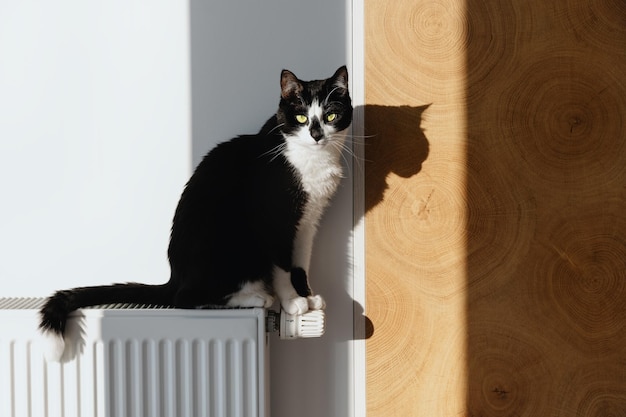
(395, 143)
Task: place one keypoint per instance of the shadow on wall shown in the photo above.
(399, 146)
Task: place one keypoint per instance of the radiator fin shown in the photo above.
(158, 378)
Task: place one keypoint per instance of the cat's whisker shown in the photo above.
(278, 151)
(358, 160)
(356, 163)
(276, 127)
(275, 152)
(328, 96)
(363, 136)
(343, 149)
(346, 163)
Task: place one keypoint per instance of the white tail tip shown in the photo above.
(53, 345)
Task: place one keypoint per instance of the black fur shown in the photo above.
(236, 218)
(300, 282)
(254, 204)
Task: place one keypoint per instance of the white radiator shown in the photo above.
(136, 362)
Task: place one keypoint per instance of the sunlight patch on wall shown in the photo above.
(416, 206)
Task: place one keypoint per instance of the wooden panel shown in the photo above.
(496, 201)
(415, 221)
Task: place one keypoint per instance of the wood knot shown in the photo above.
(574, 122)
(424, 210)
(501, 393)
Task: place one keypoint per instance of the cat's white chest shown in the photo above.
(320, 171)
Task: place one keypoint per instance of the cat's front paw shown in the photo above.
(296, 306)
(316, 302)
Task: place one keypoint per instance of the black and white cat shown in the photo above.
(243, 230)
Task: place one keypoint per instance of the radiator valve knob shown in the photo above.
(309, 324)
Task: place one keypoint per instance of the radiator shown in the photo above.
(136, 362)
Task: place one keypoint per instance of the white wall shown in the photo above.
(105, 109)
(94, 140)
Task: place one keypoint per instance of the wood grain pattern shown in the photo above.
(496, 249)
(415, 226)
(546, 199)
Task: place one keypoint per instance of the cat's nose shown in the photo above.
(316, 130)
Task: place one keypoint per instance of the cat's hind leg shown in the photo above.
(251, 294)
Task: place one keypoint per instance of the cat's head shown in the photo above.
(314, 113)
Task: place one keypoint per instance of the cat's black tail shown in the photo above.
(58, 306)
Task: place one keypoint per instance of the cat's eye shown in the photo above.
(331, 116)
(301, 118)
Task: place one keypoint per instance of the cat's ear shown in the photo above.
(340, 78)
(290, 85)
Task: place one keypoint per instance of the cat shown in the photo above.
(243, 230)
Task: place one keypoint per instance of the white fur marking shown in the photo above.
(319, 167)
(54, 346)
(316, 302)
(251, 294)
(318, 164)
